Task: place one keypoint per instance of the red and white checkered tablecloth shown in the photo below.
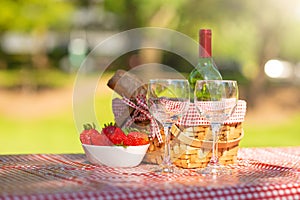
(262, 173)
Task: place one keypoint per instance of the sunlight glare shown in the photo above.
(278, 69)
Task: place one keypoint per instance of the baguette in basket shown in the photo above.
(128, 86)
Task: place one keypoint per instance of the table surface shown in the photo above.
(261, 173)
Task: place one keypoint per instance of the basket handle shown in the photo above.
(203, 144)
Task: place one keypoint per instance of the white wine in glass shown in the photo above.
(216, 101)
(168, 100)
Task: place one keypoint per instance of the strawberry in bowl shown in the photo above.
(113, 146)
(91, 136)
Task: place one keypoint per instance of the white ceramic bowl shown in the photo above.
(115, 156)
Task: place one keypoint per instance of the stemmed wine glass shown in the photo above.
(216, 100)
(168, 100)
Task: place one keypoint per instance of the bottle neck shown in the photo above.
(204, 53)
(205, 43)
(205, 62)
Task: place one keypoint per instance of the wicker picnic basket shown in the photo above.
(191, 140)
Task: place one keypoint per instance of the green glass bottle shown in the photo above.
(206, 68)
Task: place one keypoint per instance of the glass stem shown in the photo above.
(167, 157)
(215, 127)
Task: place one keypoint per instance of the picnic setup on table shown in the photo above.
(170, 139)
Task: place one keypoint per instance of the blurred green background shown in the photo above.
(43, 44)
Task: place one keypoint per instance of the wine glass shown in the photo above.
(216, 100)
(168, 100)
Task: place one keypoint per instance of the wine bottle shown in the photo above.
(206, 68)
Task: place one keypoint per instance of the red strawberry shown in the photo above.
(88, 133)
(85, 138)
(101, 140)
(118, 137)
(136, 138)
(108, 129)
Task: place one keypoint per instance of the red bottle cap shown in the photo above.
(205, 43)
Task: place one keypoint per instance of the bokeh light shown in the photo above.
(278, 69)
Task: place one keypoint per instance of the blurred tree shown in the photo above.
(35, 18)
(245, 33)
(142, 13)
(139, 13)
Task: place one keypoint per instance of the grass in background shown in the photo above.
(278, 134)
(50, 134)
(58, 134)
(55, 134)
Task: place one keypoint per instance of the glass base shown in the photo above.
(166, 169)
(215, 170)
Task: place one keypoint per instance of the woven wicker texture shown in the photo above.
(191, 137)
(191, 148)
